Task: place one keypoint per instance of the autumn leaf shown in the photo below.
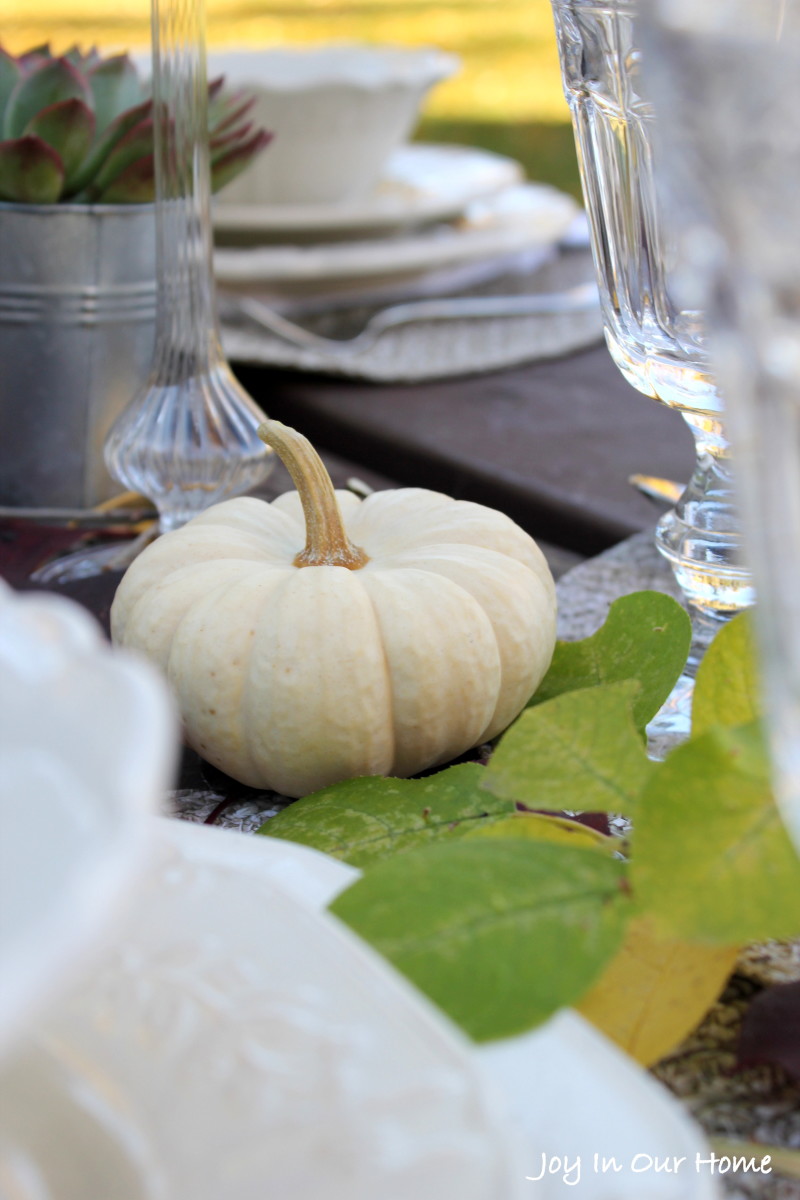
(656, 990)
(645, 637)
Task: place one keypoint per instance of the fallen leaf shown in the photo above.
(726, 691)
(656, 990)
(710, 858)
(368, 819)
(548, 827)
(580, 751)
(499, 932)
(646, 637)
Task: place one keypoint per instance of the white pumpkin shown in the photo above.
(410, 628)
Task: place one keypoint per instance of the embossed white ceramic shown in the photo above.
(420, 183)
(87, 743)
(240, 1043)
(236, 1044)
(337, 112)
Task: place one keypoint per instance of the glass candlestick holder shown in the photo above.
(189, 438)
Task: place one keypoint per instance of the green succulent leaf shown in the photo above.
(478, 924)
(34, 57)
(83, 60)
(365, 820)
(10, 74)
(68, 127)
(136, 144)
(226, 113)
(727, 687)
(106, 143)
(48, 83)
(30, 171)
(580, 751)
(230, 161)
(711, 859)
(135, 185)
(646, 637)
(116, 87)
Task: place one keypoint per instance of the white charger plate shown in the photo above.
(421, 183)
(87, 745)
(519, 219)
(239, 1043)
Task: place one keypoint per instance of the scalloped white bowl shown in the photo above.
(337, 112)
(88, 739)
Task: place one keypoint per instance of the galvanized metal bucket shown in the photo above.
(77, 329)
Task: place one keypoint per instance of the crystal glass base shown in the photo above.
(704, 566)
(672, 724)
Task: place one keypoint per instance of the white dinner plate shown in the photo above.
(87, 745)
(421, 183)
(240, 1043)
(520, 219)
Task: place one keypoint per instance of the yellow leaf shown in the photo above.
(545, 828)
(656, 990)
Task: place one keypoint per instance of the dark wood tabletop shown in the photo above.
(550, 443)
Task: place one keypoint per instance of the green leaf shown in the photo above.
(106, 142)
(498, 932)
(30, 172)
(68, 127)
(134, 146)
(52, 81)
(646, 636)
(35, 57)
(135, 185)
(580, 751)
(116, 87)
(727, 686)
(543, 827)
(368, 819)
(226, 112)
(229, 161)
(9, 77)
(711, 859)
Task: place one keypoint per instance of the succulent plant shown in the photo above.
(79, 128)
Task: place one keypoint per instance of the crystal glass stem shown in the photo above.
(655, 329)
(189, 438)
(729, 72)
(701, 536)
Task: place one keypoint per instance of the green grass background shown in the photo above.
(506, 97)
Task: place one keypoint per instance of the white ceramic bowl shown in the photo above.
(337, 113)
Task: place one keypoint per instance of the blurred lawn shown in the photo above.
(507, 96)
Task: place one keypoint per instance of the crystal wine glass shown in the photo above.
(730, 70)
(654, 330)
(189, 438)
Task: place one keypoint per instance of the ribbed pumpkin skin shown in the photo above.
(294, 678)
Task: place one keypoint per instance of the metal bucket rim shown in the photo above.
(92, 209)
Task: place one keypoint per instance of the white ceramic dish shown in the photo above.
(523, 218)
(420, 183)
(337, 112)
(76, 792)
(240, 1042)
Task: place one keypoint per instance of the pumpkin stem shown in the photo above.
(327, 544)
